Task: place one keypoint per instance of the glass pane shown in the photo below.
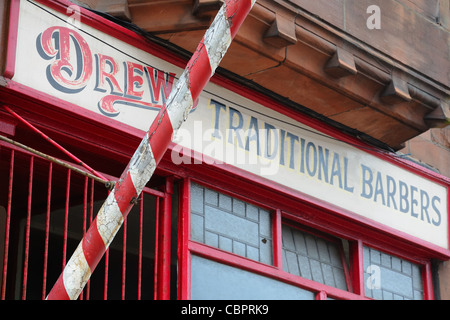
(237, 284)
(230, 224)
(388, 277)
(312, 258)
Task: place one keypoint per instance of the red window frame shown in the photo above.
(354, 271)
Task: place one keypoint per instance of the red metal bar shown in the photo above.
(124, 258)
(55, 160)
(85, 203)
(27, 230)
(105, 278)
(105, 283)
(141, 225)
(156, 275)
(7, 226)
(91, 217)
(164, 250)
(154, 144)
(154, 192)
(47, 229)
(66, 219)
(73, 157)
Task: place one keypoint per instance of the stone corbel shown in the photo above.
(396, 91)
(202, 7)
(117, 8)
(282, 32)
(341, 64)
(439, 117)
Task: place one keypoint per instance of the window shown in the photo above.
(235, 283)
(230, 224)
(388, 277)
(245, 230)
(313, 258)
(263, 253)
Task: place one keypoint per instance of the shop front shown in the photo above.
(252, 200)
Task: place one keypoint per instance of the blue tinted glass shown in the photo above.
(230, 224)
(312, 258)
(388, 277)
(215, 281)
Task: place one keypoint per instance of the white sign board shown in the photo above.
(95, 71)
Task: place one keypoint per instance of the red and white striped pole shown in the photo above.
(111, 215)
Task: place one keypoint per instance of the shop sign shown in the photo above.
(80, 65)
(107, 76)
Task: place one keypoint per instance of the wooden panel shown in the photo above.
(431, 151)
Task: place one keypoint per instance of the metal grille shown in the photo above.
(44, 211)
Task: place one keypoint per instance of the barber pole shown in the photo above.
(140, 169)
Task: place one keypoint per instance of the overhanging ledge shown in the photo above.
(308, 60)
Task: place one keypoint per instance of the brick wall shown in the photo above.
(431, 148)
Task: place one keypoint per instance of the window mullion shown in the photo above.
(428, 291)
(321, 295)
(183, 238)
(277, 240)
(357, 267)
(164, 247)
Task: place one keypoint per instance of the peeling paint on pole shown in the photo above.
(199, 70)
